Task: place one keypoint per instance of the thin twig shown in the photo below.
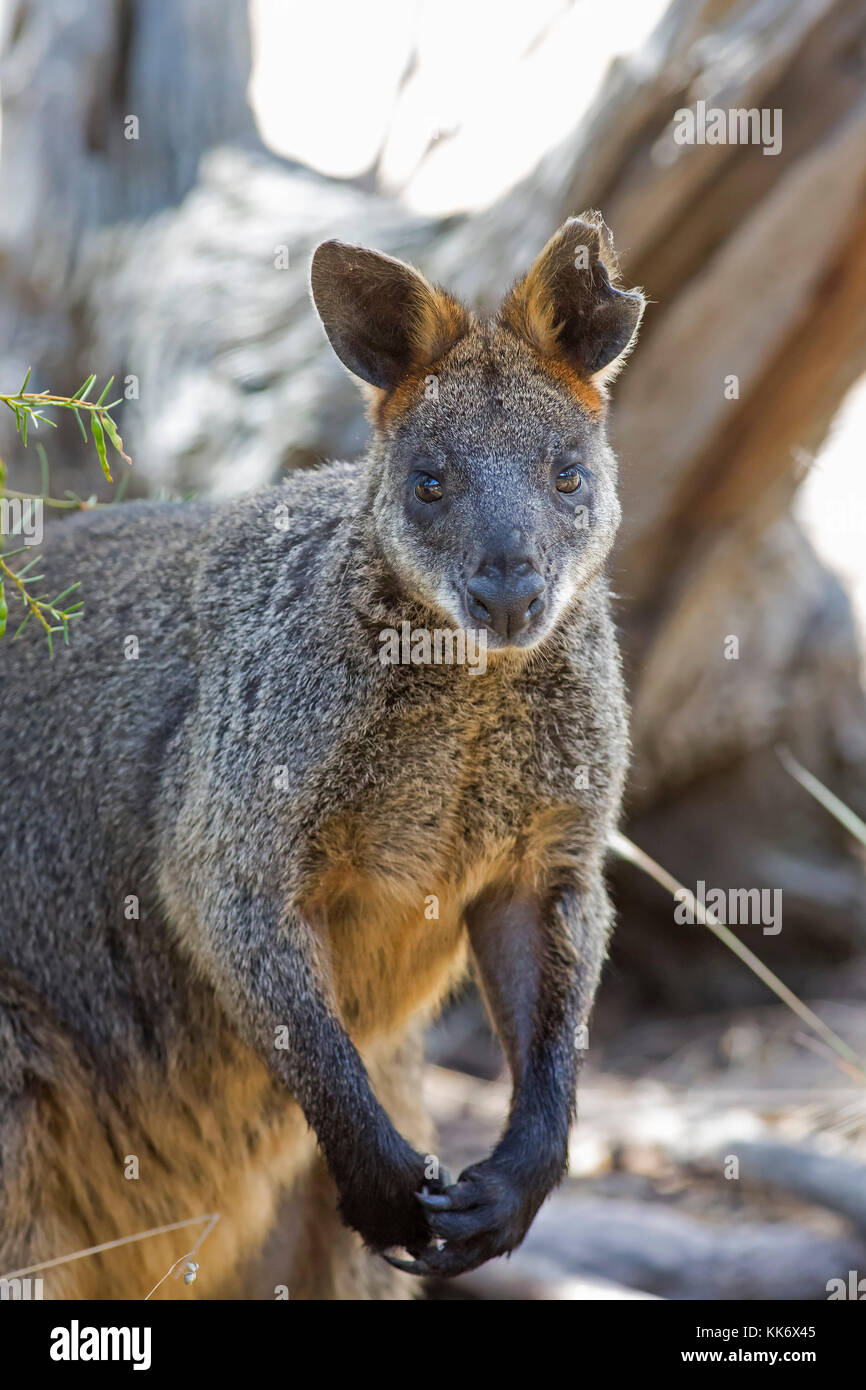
(81, 503)
(212, 1218)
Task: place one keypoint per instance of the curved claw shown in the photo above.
(407, 1266)
(434, 1201)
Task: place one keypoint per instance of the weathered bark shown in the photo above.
(74, 76)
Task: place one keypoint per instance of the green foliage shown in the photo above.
(29, 408)
(45, 609)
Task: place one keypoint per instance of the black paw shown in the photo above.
(484, 1214)
(386, 1212)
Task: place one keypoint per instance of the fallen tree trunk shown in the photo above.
(827, 1180)
(658, 1251)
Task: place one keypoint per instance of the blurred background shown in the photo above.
(167, 170)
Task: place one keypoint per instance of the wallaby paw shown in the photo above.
(484, 1214)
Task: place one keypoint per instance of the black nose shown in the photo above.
(506, 595)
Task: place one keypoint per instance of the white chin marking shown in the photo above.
(453, 610)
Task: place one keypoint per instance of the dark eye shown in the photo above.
(569, 479)
(428, 488)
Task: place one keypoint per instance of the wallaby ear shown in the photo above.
(383, 318)
(567, 307)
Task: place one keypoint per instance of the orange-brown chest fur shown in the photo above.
(398, 872)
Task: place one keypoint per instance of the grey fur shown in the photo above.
(266, 787)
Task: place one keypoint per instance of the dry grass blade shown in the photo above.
(822, 794)
(853, 1065)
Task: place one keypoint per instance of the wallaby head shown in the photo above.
(493, 488)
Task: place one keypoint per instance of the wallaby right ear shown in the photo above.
(568, 305)
(383, 319)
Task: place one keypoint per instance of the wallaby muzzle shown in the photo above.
(506, 594)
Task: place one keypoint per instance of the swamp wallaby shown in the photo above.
(246, 853)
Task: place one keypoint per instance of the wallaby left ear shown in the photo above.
(383, 318)
(567, 305)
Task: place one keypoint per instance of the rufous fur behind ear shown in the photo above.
(568, 308)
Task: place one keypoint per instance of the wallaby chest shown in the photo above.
(466, 791)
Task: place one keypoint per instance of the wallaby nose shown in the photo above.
(506, 595)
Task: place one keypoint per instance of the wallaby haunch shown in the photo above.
(225, 819)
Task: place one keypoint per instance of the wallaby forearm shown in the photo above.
(538, 957)
(283, 1008)
(538, 962)
(535, 1141)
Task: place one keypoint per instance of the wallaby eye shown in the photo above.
(569, 480)
(428, 488)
